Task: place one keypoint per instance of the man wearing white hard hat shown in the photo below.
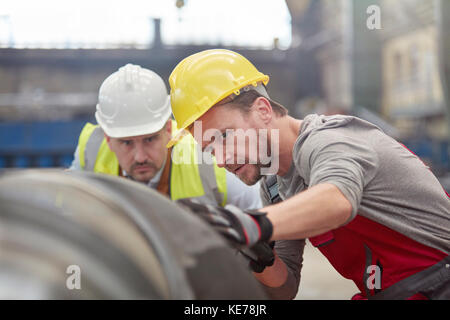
(134, 127)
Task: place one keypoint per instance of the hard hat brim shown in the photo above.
(136, 130)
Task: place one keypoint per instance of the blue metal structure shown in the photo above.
(435, 153)
(39, 144)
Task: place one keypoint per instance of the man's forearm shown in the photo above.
(279, 281)
(315, 211)
(274, 276)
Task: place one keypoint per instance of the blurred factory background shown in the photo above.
(320, 54)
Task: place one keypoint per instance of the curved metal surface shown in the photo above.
(128, 241)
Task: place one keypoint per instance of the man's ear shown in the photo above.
(264, 109)
(169, 127)
(108, 140)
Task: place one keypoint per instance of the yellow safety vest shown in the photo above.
(188, 179)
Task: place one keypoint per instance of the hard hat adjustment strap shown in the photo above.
(260, 88)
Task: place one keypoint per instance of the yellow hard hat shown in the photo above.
(203, 79)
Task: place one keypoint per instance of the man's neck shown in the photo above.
(289, 129)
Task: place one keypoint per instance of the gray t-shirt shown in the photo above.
(383, 180)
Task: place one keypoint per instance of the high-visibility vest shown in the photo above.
(189, 178)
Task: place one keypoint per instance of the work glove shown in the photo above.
(259, 256)
(242, 228)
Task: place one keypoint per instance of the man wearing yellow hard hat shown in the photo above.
(368, 204)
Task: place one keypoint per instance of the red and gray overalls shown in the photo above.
(409, 269)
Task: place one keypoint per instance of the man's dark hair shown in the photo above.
(245, 100)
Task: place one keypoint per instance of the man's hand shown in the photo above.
(240, 227)
(259, 256)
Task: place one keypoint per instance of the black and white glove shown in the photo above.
(244, 228)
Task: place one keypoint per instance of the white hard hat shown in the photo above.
(132, 101)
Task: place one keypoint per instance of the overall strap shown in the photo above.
(427, 279)
(271, 184)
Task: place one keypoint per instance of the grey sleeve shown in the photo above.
(76, 161)
(347, 162)
(291, 253)
(241, 195)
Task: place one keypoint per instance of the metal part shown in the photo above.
(128, 241)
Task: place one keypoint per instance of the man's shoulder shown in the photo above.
(326, 130)
(88, 128)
